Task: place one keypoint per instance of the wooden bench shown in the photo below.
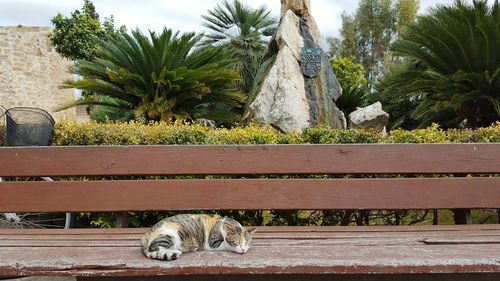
(453, 252)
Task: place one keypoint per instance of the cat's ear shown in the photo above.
(251, 230)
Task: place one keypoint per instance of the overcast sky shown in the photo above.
(181, 15)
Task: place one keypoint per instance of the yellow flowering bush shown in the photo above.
(134, 133)
(433, 134)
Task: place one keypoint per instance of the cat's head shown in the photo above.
(237, 238)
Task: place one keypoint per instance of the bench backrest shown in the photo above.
(309, 177)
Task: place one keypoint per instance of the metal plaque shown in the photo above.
(311, 59)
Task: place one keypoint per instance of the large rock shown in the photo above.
(285, 98)
(288, 34)
(370, 117)
(282, 101)
(302, 8)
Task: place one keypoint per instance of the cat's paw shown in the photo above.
(165, 255)
(170, 255)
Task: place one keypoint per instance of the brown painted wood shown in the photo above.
(308, 277)
(122, 220)
(336, 230)
(58, 257)
(277, 250)
(238, 160)
(313, 194)
(264, 240)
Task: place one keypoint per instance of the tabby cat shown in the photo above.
(171, 237)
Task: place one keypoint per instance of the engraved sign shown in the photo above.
(311, 61)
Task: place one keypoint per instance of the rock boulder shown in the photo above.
(370, 117)
(286, 98)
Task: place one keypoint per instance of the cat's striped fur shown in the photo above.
(171, 237)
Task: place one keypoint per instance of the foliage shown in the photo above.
(325, 135)
(242, 31)
(452, 68)
(396, 102)
(351, 78)
(367, 34)
(119, 112)
(481, 135)
(334, 45)
(137, 133)
(432, 134)
(348, 72)
(76, 37)
(161, 77)
(407, 13)
(352, 97)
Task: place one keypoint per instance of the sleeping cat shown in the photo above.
(171, 237)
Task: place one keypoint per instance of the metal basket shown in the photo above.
(28, 126)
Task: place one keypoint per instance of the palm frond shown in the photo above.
(160, 76)
(452, 65)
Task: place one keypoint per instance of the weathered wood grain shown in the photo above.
(324, 256)
(336, 230)
(251, 160)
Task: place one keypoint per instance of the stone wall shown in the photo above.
(31, 71)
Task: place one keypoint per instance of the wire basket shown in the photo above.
(28, 126)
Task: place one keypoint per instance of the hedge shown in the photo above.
(69, 133)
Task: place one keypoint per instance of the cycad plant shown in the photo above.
(161, 77)
(452, 65)
(242, 30)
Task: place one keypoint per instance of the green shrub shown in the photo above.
(482, 135)
(134, 133)
(432, 134)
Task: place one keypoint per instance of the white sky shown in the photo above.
(183, 15)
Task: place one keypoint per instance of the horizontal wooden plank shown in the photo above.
(251, 160)
(252, 194)
(293, 236)
(257, 242)
(338, 259)
(295, 230)
(262, 239)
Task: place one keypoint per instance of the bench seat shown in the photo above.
(301, 250)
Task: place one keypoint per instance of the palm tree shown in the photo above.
(161, 77)
(452, 65)
(241, 30)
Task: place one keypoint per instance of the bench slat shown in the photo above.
(241, 160)
(475, 254)
(251, 194)
(487, 229)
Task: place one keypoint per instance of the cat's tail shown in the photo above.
(145, 244)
